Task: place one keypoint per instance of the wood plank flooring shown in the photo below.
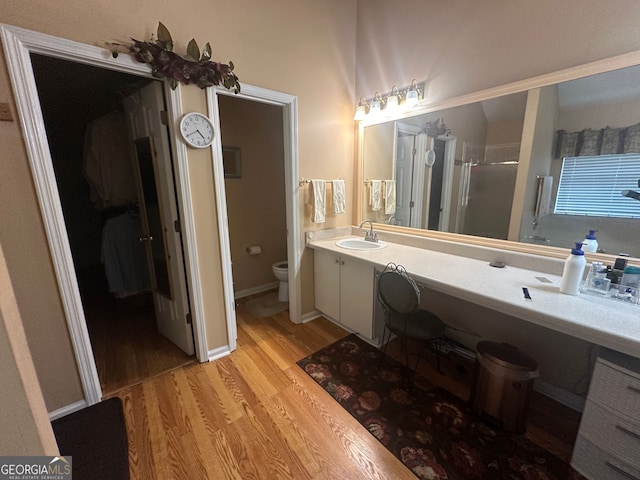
(254, 415)
(127, 346)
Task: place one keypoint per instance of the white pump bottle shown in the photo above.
(573, 271)
(590, 242)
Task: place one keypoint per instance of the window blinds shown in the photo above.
(592, 185)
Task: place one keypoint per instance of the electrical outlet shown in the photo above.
(5, 113)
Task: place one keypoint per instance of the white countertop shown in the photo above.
(612, 323)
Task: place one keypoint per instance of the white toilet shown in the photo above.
(281, 272)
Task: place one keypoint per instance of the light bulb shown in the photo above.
(361, 113)
(392, 103)
(412, 98)
(375, 107)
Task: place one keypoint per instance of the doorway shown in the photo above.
(19, 44)
(83, 113)
(253, 155)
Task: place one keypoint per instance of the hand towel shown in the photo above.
(339, 203)
(318, 193)
(543, 201)
(375, 198)
(389, 197)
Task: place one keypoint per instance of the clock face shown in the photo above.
(197, 130)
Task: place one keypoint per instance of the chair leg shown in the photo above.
(438, 354)
(383, 348)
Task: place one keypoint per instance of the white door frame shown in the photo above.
(447, 180)
(289, 104)
(18, 44)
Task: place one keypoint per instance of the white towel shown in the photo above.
(318, 193)
(375, 198)
(543, 201)
(339, 203)
(389, 197)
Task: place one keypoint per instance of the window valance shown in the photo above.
(605, 141)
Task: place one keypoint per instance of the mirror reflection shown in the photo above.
(487, 169)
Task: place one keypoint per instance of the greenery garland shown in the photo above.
(196, 68)
(435, 128)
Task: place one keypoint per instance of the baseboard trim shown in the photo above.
(560, 395)
(254, 290)
(312, 315)
(219, 352)
(66, 410)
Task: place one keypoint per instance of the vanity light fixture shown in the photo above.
(390, 103)
(413, 95)
(393, 100)
(361, 110)
(376, 105)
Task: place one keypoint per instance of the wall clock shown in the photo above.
(197, 130)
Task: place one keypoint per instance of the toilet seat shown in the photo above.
(280, 266)
(281, 272)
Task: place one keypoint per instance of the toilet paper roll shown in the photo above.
(254, 250)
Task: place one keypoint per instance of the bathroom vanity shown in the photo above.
(344, 291)
(463, 272)
(609, 436)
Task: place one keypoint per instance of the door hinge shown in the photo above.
(411, 204)
(163, 117)
(176, 226)
(188, 317)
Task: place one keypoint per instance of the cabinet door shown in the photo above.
(356, 300)
(326, 276)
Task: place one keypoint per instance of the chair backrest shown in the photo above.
(397, 291)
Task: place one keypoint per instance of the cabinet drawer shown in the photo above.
(596, 464)
(615, 389)
(612, 432)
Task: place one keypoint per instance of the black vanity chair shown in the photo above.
(400, 298)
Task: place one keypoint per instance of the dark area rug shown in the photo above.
(434, 433)
(96, 438)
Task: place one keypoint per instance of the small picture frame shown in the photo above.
(231, 162)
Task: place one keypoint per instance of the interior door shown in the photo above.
(159, 214)
(404, 178)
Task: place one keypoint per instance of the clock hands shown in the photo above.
(195, 131)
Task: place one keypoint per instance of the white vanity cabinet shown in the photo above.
(608, 443)
(344, 291)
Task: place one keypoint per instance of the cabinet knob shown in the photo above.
(335, 260)
(341, 262)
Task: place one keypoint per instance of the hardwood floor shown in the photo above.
(254, 415)
(127, 346)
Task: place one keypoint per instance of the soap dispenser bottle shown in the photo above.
(590, 242)
(573, 271)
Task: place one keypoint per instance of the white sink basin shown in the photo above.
(360, 244)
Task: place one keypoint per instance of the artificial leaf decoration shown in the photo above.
(206, 53)
(193, 69)
(165, 37)
(435, 128)
(192, 50)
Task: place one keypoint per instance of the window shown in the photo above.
(593, 186)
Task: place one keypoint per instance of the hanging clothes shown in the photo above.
(108, 162)
(123, 256)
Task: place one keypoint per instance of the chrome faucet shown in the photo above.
(370, 236)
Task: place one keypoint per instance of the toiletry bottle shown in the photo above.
(590, 242)
(573, 271)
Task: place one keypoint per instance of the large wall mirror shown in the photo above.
(488, 166)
